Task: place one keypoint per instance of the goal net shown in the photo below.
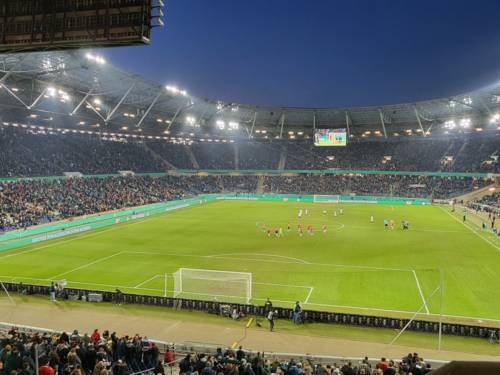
(326, 198)
(225, 286)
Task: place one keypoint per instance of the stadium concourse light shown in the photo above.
(97, 101)
(233, 125)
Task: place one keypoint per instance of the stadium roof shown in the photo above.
(78, 89)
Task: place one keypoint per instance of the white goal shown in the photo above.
(326, 198)
(224, 286)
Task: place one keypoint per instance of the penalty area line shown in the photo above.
(420, 292)
(146, 281)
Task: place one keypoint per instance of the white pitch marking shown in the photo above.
(472, 230)
(420, 292)
(309, 294)
(146, 281)
(221, 256)
(85, 265)
(261, 254)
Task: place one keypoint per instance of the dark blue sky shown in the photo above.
(314, 53)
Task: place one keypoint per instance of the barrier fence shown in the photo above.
(308, 316)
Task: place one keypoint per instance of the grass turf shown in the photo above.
(356, 266)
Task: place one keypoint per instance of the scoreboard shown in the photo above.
(330, 137)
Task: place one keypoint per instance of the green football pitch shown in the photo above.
(356, 265)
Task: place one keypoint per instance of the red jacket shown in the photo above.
(46, 370)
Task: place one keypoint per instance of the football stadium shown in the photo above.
(146, 229)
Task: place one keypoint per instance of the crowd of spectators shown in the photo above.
(492, 200)
(77, 354)
(24, 154)
(458, 155)
(374, 184)
(24, 203)
(111, 354)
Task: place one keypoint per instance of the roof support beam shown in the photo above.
(282, 124)
(253, 124)
(120, 102)
(138, 125)
(95, 110)
(417, 115)
(314, 123)
(39, 97)
(81, 102)
(382, 121)
(13, 94)
(176, 114)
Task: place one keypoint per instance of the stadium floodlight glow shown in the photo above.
(221, 124)
(234, 108)
(175, 90)
(95, 58)
(166, 132)
(81, 123)
(479, 129)
(159, 120)
(300, 133)
(233, 125)
(190, 120)
(495, 118)
(33, 115)
(219, 106)
(264, 131)
(97, 101)
(51, 91)
(452, 104)
(450, 124)
(465, 123)
(15, 89)
(291, 133)
(468, 100)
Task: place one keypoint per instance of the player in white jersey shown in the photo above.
(300, 213)
(341, 211)
(371, 219)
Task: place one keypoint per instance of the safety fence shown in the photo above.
(259, 312)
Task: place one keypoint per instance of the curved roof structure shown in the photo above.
(79, 89)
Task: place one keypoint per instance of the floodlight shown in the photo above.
(233, 125)
(221, 124)
(97, 101)
(465, 122)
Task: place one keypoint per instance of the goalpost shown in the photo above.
(326, 198)
(225, 286)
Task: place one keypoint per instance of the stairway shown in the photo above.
(236, 157)
(157, 156)
(282, 162)
(191, 156)
(464, 145)
(260, 185)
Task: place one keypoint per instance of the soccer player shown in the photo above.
(276, 232)
(324, 212)
(269, 233)
(310, 229)
(307, 211)
(281, 232)
(300, 213)
(300, 232)
(324, 228)
(371, 219)
(386, 223)
(392, 223)
(335, 213)
(288, 227)
(341, 211)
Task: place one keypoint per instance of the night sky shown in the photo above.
(314, 53)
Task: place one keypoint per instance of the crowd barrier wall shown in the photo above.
(308, 316)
